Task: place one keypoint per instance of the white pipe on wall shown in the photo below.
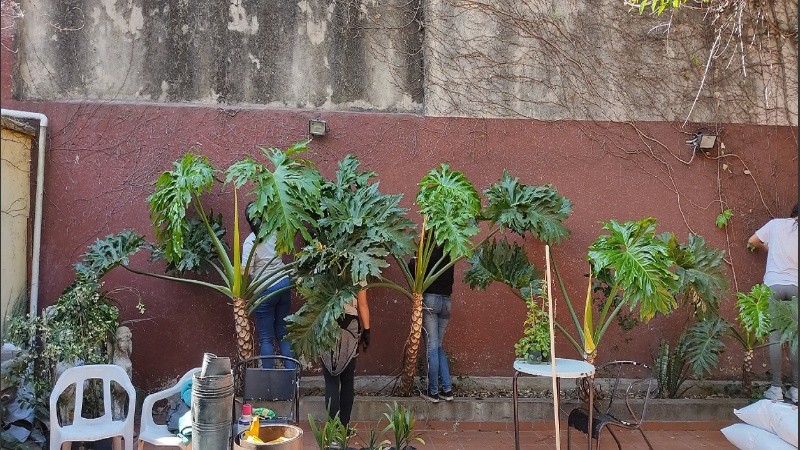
(37, 223)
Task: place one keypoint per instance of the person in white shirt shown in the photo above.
(270, 314)
(779, 238)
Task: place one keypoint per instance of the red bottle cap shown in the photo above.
(247, 409)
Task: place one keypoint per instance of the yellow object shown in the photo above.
(253, 432)
(278, 440)
(254, 440)
(589, 346)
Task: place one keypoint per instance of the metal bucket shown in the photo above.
(212, 411)
(293, 436)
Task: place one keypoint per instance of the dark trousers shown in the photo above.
(340, 391)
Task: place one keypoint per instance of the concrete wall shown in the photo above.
(131, 92)
(588, 60)
(15, 211)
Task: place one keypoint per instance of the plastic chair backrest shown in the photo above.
(627, 383)
(149, 430)
(91, 429)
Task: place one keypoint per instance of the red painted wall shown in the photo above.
(102, 159)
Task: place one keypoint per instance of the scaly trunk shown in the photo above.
(747, 374)
(244, 330)
(412, 347)
(584, 384)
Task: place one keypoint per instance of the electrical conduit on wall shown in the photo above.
(37, 223)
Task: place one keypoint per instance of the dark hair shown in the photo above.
(255, 222)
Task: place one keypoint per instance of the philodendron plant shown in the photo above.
(190, 238)
(630, 266)
(359, 229)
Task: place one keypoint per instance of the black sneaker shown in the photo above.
(433, 398)
(447, 395)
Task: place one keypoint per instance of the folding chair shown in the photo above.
(616, 384)
(269, 386)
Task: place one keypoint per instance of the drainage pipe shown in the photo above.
(37, 223)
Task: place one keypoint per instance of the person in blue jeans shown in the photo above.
(435, 316)
(271, 313)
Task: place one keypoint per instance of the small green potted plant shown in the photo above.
(534, 347)
(401, 426)
(331, 434)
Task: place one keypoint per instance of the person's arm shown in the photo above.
(247, 247)
(363, 309)
(754, 243)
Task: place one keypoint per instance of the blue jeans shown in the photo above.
(435, 315)
(271, 324)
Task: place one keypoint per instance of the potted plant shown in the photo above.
(374, 441)
(534, 347)
(401, 425)
(331, 434)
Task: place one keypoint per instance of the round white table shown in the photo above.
(565, 368)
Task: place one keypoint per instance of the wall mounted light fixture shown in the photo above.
(702, 141)
(317, 127)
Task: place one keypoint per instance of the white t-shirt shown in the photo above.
(263, 256)
(780, 235)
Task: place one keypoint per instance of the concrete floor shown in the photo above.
(540, 436)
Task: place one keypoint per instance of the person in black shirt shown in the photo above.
(435, 316)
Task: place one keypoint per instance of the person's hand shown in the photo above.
(365, 338)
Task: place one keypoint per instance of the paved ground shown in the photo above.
(540, 436)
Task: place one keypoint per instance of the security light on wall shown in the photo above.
(703, 141)
(317, 127)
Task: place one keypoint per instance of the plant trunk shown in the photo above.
(412, 347)
(244, 330)
(747, 374)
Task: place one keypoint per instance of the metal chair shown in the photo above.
(97, 428)
(158, 434)
(271, 385)
(621, 392)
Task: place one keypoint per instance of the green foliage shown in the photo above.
(754, 316)
(657, 6)
(671, 369)
(286, 197)
(175, 190)
(106, 254)
(313, 328)
(700, 272)
(401, 424)
(358, 227)
(724, 218)
(451, 204)
(536, 336)
(79, 327)
(198, 253)
(784, 320)
(702, 344)
(640, 266)
(538, 210)
(374, 441)
(325, 434)
(506, 263)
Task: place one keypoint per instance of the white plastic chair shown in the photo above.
(92, 429)
(157, 434)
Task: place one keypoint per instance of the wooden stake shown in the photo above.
(552, 347)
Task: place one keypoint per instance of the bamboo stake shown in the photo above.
(553, 372)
